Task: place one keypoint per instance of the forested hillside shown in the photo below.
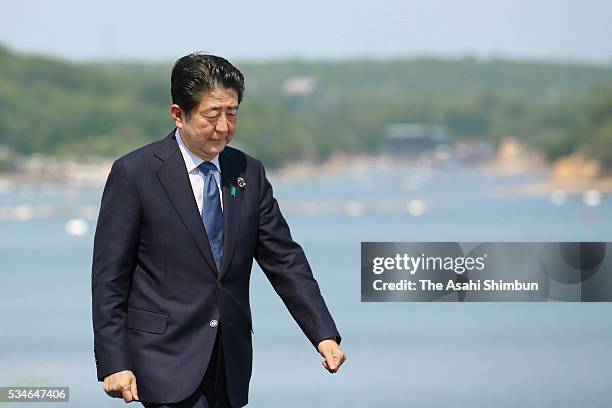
(308, 110)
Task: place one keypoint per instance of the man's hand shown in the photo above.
(122, 385)
(334, 356)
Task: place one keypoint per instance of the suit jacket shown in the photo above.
(157, 296)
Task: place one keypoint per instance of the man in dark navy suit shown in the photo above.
(180, 223)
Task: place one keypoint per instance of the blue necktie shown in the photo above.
(211, 211)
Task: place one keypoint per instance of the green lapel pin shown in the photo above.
(233, 193)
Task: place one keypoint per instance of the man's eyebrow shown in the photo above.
(217, 107)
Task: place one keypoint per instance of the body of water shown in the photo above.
(399, 354)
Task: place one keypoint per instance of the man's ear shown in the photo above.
(177, 115)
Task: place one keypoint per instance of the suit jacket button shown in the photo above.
(213, 323)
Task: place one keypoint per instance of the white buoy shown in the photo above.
(77, 227)
(416, 207)
(592, 198)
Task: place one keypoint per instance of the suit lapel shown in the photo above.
(173, 176)
(231, 207)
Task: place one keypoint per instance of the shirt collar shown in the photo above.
(191, 160)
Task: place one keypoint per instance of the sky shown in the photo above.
(559, 30)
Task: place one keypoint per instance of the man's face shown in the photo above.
(211, 125)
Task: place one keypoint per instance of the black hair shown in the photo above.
(196, 74)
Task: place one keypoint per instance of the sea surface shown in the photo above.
(399, 354)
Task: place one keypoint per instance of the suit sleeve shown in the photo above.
(286, 267)
(114, 258)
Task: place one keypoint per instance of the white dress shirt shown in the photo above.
(195, 175)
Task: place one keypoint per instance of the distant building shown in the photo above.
(300, 86)
(414, 138)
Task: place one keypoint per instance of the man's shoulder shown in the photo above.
(142, 155)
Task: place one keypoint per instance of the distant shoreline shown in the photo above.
(572, 175)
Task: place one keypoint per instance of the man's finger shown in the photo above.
(327, 367)
(330, 365)
(126, 390)
(134, 389)
(127, 395)
(330, 358)
(109, 389)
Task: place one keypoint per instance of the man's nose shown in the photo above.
(222, 124)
